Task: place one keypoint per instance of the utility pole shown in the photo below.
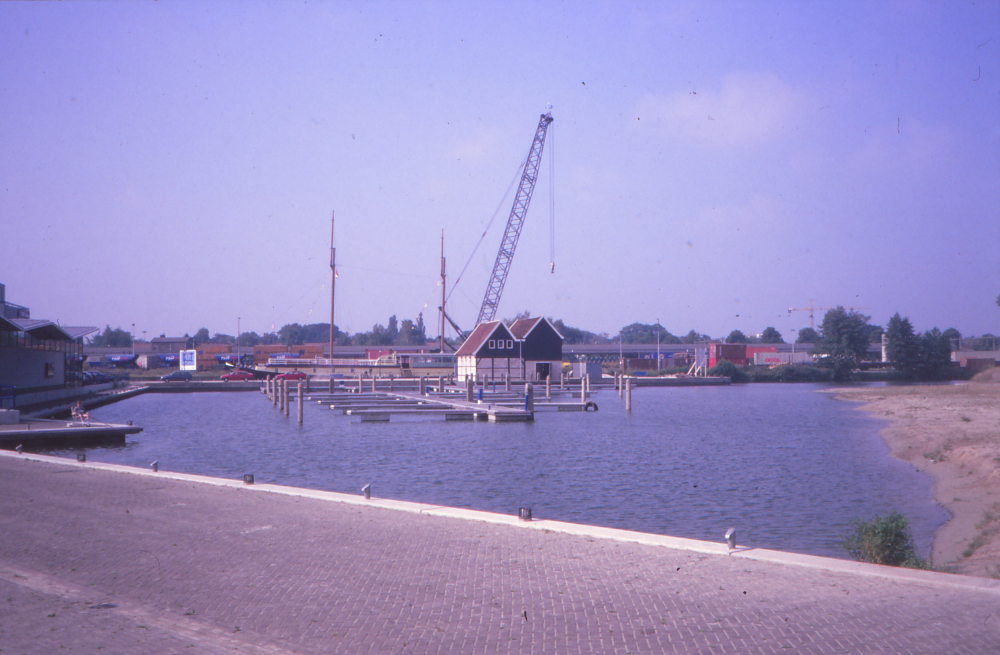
(442, 292)
(333, 282)
(657, 344)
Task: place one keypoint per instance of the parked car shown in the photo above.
(177, 375)
(237, 376)
(291, 375)
(95, 377)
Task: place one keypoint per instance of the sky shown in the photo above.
(175, 165)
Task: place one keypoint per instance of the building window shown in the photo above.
(493, 344)
(50, 370)
(510, 345)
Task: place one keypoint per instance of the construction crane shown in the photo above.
(812, 310)
(518, 212)
(505, 255)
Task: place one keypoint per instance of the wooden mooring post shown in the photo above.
(440, 384)
(583, 390)
(529, 397)
(274, 392)
(628, 395)
(284, 396)
(469, 396)
(373, 384)
(302, 403)
(506, 382)
(423, 385)
(548, 387)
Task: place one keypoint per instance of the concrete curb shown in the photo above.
(928, 578)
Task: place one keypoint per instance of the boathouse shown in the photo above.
(491, 350)
(541, 348)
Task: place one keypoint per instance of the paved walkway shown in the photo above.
(195, 567)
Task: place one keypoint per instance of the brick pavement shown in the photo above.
(197, 568)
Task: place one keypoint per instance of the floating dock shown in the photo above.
(37, 433)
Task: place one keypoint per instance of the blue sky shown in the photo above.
(174, 165)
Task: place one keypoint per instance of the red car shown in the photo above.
(291, 375)
(237, 376)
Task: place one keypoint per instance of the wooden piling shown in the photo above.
(274, 392)
(586, 381)
(302, 403)
(506, 382)
(621, 385)
(529, 397)
(373, 384)
(440, 384)
(548, 387)
(628, 395)
(469, 396)
(332, 381)
(583, 390)
(284, 396)
(562, 381)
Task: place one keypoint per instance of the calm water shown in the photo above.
(789, 467)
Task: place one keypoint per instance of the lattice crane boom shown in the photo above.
(517, 214)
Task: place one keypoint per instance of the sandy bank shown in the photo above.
(953, 433)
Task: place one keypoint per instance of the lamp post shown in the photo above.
(657, 345)
(237, 339)
(133, 338)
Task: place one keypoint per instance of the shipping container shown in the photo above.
(774, 359)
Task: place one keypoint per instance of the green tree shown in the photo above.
(933, 355)
(248, 339)
(572, 335)
(223, 338)
(201, 336)
(393, 329)
(845, 335)
(290, 334)
(807, 335)
(736, 337)
(695, 337)
(646, 333)
(901, 343)
(873, 333)
(771, 335)
(111, 338)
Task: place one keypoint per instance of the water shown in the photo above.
(787, 466)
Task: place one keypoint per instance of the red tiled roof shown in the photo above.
(522, 326)
(477, 339)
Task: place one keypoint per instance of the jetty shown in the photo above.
(37, 433)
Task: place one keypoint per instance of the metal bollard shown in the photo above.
(731, 538)
(248, 478)
(524, 513)
(155, 465)
(367, 491)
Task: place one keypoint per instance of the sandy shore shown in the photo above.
(953, 433)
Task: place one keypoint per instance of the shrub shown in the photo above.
(883, 541)
(726, 369)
